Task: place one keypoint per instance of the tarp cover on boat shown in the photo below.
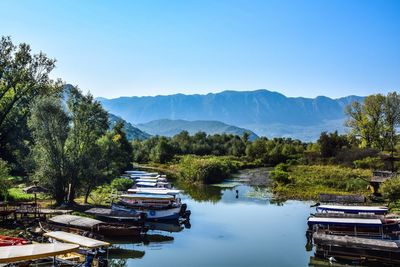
(345, 221)
(149, 196)
(73, 220)
(353, 209)
(77, 239)
(34, 251)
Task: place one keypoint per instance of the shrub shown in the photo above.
(206, 170)
(280, 176)
(102, 195)
(391, 189)
(373, 163)
(122, 184)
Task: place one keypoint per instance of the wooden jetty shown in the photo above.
(356, 242)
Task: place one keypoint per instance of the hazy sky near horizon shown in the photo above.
(135, 48)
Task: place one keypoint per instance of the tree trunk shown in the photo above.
(88, 190)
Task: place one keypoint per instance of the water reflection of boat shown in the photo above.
(165, 226)
(121, 253)
(157, 238)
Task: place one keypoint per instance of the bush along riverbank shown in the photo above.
(309, 181)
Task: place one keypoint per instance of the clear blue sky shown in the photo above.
(299, 48)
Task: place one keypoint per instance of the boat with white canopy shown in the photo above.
(34, 252)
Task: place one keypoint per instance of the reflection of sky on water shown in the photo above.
(234, 231)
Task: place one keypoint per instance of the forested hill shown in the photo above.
(166, 127)
(262, 111)
(132, 133)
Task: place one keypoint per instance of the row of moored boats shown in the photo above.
(355, 233)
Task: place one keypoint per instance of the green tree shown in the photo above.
(23, 77)
(89, 122)
(330, 144)
(391, 189)
(4, 184)
(50, 127)
(391, 109)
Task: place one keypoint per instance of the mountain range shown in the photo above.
(166, 127)
(264, 112)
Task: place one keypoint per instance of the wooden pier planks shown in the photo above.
(356, 242)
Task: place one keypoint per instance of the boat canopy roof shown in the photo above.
(74, 220)
(82, 241)
(146, 183)
(155, 191)
(149, 196)
(345, 221)
(353, 209)
(34, 251)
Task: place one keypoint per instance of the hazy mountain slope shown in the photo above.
(259, 111)
(132, 133)
(168, 127)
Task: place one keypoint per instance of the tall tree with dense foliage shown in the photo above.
(50, 128)
(391, 108)
(24, 76)
(89, 122)
(4, 173)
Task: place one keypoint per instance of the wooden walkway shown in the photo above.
(356, 242)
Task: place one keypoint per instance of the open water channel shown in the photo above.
(228, 229)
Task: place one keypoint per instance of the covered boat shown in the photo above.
(154, 191)
(97, 226)
(82, 241)
(353, 209)
(10, 254)
(355, 226)
(173, 213)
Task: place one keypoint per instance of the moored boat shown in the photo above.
(378, 210)
(155, 191)
(97, 226)
(172, 213)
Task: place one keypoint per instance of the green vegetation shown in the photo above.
(307, 182)
(122, 184)
(391, 189)
(205, 170)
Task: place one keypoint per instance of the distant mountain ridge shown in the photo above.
(264, 112)
(167, 127)
(132, 133)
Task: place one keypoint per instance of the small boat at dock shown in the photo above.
(12, 241)
(97, 226)
(155, 191)
(378, 210)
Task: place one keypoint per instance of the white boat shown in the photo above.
(152, 214)
(153, 184)
(156, 191)
(352, 209)
(152, 180)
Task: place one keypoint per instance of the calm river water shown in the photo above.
(248, 230)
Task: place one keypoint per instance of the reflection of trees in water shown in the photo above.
(201, 192)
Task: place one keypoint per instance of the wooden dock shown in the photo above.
(356, 242)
